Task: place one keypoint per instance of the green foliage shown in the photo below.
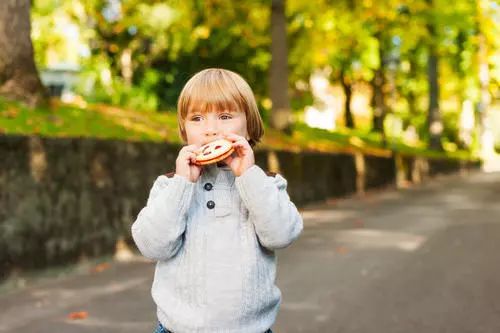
(178, 39)
(167, 41)
(114, 123)
(64, 121)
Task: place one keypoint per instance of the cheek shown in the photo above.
(240, 128)
(191, 134)
(244, 129)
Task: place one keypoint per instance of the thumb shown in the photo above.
(229, 160)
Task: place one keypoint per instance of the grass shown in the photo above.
(108, 122)
(60, 120)
(372, 143)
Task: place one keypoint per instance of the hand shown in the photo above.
(243, 158)
(185, 163)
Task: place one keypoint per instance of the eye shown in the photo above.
(195, 118)
(225, 116)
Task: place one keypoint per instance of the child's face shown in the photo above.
(202, 128)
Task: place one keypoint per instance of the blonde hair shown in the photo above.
(220, 89)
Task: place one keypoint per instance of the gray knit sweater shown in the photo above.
(214, 243)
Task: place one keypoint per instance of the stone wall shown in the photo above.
(64, 199)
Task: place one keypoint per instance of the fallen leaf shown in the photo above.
(99, 268)
(78, 315)
(341, 250)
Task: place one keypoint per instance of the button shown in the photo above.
(210, 204)
(208, 186)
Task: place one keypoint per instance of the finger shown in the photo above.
(190, 156)
(192, 161)
(195, 164)
(241, 145)
(192, 148)
(195, 151)
(242, 152)
(229, 160)
(186, 153)
(242, 141)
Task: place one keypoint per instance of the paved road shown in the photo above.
(424, 259)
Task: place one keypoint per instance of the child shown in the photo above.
(214, 230)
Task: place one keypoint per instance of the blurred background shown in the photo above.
(363, 101)
(411, 74)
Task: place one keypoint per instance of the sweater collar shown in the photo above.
(218, 174)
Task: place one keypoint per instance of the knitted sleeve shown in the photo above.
(159, 226)
(276, 219)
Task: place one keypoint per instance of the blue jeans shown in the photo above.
(161, 329)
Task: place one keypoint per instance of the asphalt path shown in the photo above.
(422, 259)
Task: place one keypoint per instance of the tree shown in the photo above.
(150, 48)
(381, 18)
(378, 82)
(332, 38)
(19, 78)
(434, 122)
(347, 86)
(278, 82)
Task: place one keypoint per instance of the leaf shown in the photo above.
(99, 268)
(341, 250)
(78, 315)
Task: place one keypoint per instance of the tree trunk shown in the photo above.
(378, 101)
(19, 78)
(412, 105)
(278, 82)
(434, 123)
(347, 86)
(412, 96)
(378, 98)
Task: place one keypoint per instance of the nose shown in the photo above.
(211, 129)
